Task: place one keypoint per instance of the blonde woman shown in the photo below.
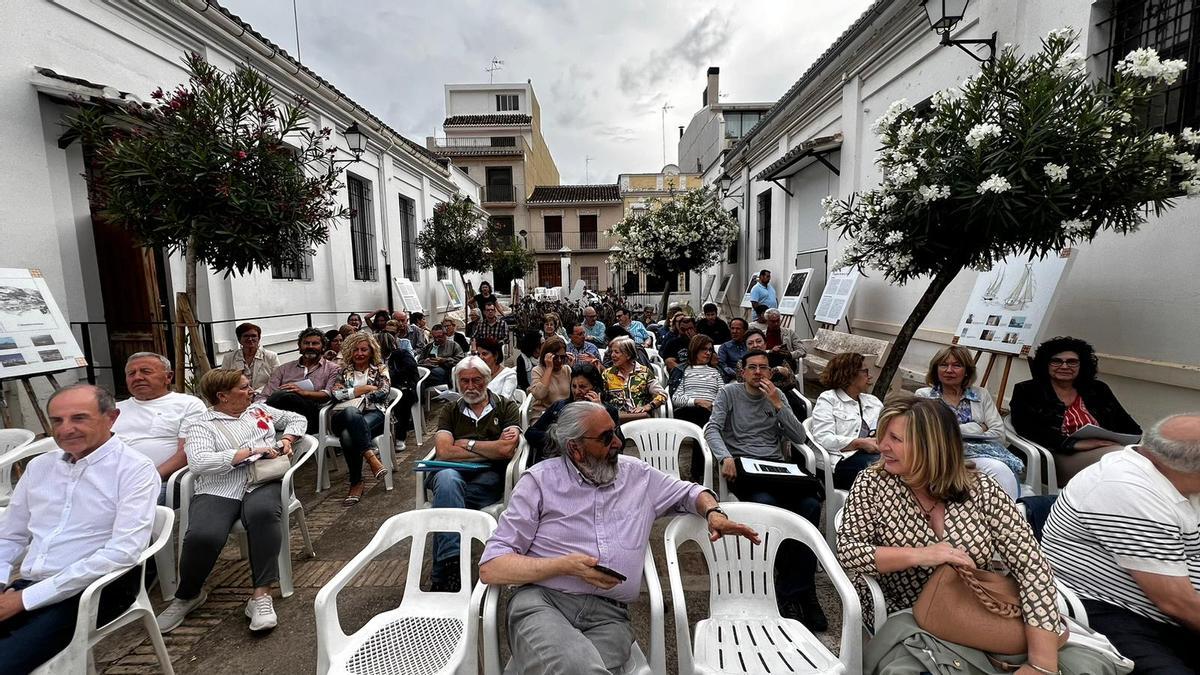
(360, 391)
(921, 506)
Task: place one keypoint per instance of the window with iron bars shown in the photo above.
(362, 230)
(1169, 27)
(296, 272)
(764, 225)
(408, 232)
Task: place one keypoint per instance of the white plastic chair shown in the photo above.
(526, 405)
(165, 562)
(658, 442)
(385, 442)
(19, 453)
(428, 632)
(745, 632)
(77, 658)
(417, 412)
(1034, 455)
(305, 449)
(512, 473)
(10, 440)
(834, 498)
(637, 664)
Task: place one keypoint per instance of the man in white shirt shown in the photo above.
(1125, 536)
(76, 515)
(153, 419)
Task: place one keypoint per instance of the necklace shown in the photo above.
(926, 513)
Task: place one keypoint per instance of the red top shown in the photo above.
(1077, 417)
(774, 338)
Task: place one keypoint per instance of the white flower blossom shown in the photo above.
(893, 238)
(1145, 63)
(888, 202)
(1056, 172)
(895, 110)
(1124, 117)
(947, 96)
(1060, 33)
(981, 132)
(1185, 160)
(995, 183)
(903, 174)
(930, 193)
(1191, 187)
(1190, 136)
(1076, 229)
(1069, 64)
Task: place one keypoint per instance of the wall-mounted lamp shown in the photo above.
(356, 140)
(944, 15)
(724, 183)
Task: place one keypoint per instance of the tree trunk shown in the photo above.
(666, 297)
(186, 316)
(936, 287)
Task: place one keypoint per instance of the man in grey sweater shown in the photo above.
(751, 419)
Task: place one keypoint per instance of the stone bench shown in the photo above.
(830, 343)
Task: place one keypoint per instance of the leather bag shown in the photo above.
(267, 470)
(972, 607)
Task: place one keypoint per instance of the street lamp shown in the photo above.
(356, 140)
(944, 15)
(724, 183)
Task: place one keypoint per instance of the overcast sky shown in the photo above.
(601, 71)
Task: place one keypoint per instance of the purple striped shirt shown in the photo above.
(553, 511)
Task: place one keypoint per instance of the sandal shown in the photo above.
(375, 464)
(356, 492)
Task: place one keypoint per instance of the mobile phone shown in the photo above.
(612, 573)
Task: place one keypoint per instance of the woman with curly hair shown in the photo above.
(360, 392)
(1064, 396)
(845, 416)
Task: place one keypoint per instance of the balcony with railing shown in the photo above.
(579, 242)
(477, 146)
(498, 194)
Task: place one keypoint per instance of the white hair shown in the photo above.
(1181, 455)
(772, 312)
(473, 363)
(571, 426)
(148, 355)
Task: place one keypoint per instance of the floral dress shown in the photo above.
(639, 389)
(343, 385)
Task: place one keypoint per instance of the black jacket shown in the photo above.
(1037, 413)
(719, 332)
(402, 368)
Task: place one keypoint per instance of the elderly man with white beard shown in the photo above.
(481, 427)
(574, 538)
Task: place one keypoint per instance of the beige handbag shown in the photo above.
(974, 608)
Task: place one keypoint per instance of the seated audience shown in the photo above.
(1124, 534)
(302, 386)
(551, 326)
(333, 348)
(1064, 396)
(378, 322)
(675, 351)
(712, 325)
(354, 321)
(551, 379)
(528, 344)
(451, 327)
(504, 379)
(566, 616)
(234, 430)
(472, 324)
(694, 386)
(389, 339)
(403, 375)
(484, 297)
(586, 385)
(951, 372)
(361, 391)
(640, 354)
(630, 386)
(481, 427)
(419, 322)
(440, 357)
(580, 349)
(845, 416)
(636, 329)
(648, 320)
(256, 363)
(733, 349)
(922, 506)
(152, 420)
(667, 330)
(492, 325)
(594, 327)
(406, 331)
(782, 343)
(750, 419)
(78, 513)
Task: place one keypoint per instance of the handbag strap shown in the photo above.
(990, 602)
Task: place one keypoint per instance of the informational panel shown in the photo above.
(455, 300)
(706, 287)
(34, 337)
(794, 292)
(577, 291)
(839, 291)
(749, 287)
(408, 295)
(1010, 303)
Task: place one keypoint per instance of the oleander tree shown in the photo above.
(684, 232)
(215, 169)
(1026, 157)
(455, 237)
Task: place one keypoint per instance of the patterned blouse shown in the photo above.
(640, 388)
(343, 385)
(882, 511)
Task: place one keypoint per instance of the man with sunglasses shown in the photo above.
(574, 538)
(750, 419)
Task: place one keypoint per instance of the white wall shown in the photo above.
(481, 100)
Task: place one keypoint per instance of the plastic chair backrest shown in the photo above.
(11, 440)
(658, 442)
(422, 524)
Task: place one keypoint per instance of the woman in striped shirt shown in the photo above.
(693, 388)
(218, 448)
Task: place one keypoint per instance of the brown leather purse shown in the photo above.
(974, 608)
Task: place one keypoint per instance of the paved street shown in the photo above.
(215, 639)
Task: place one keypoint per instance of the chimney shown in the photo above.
(681, 131)
(712, 91)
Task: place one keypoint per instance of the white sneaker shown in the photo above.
(261, 612)
(177, 611)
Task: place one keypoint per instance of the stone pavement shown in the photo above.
(215, 638)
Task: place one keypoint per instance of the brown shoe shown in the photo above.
(356, 493)
(376, 466)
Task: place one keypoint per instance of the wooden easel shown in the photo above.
(28, 385)
(987, 372)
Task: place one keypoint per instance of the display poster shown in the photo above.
(706, 287)
(1011, 302)
(794, 292)
(749, 287)
(724, 289)
(455, 300)
(35, 338)
(577, 290)
(408, 295)
(839, 291)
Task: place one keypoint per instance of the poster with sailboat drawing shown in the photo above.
(1017, 295)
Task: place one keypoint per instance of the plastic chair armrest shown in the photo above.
(658, 649)
(878, 603)
(419, 500)
(491, 639)
(683, 638)
(172, 481)
(329, 625)
(289, 475)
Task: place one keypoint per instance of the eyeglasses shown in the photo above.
(950, 366)
(249, 337)
(1064, 363)
(605, 438)
(864, 371)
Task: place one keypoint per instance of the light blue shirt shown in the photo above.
(596, 332)
(637, 331)
(764, 295)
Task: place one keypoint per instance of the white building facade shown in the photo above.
(1133, 298)
(57, 50)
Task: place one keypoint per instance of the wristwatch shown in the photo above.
(715, 509)
(471, 447)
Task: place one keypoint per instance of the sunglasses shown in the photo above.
(1064, 363)
(606, 437)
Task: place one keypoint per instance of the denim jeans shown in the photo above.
(795, 565)
(454, 489)
(357, 430)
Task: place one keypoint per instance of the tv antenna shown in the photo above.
(495, 65)
(665, 108)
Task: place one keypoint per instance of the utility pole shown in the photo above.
(587, 176)
(296, 22)
(665, 108)
(496, 64)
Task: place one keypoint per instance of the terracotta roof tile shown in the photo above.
(487, 120)
(573, 194)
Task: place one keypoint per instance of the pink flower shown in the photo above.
(241, 154)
